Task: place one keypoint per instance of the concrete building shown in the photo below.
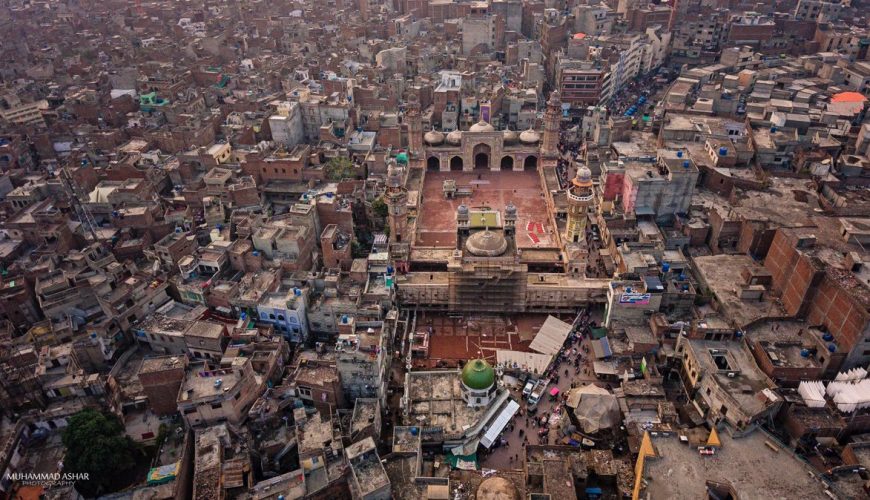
(370, 481)
(161, 378)
(287, 126)
(723, 377)
(210, 396)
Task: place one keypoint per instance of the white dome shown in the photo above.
(433, 138)
(454, 137)
(584, 174)
(530, 136)
(481, 126)
(510, 136)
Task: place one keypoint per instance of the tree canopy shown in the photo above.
(96, 445)
(339, 168)
(379, 208)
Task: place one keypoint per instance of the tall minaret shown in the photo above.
(552, 118)
(415, 127)
(580, 198)
(397, 203)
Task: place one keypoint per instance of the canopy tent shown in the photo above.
(574, 395)
(601, 348)
(463, 462)
(551, 337)
(595, 412)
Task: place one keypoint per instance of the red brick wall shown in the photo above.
(162, 389)
(841, 314)
(790, 278)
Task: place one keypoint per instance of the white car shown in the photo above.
(528, 388)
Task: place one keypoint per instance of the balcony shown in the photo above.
(581, 196)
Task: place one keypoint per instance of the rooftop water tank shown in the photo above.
(256, 253)
(665, 267)
(389, 269)
(297, 292)
(686, 164)
(827, 337)
(219, 382)
(723, 151)
(330, 194)
(832, 348)
(805, 353)
(679, 154)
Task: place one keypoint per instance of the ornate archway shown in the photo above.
(481, 154)
(456, 164)
(530, 163)
(433, 164)
(507, 163)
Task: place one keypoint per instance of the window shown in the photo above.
(280, 317)
(709, 391)
(188, 411)
(216, 406)
(305, 391)
(271, 316)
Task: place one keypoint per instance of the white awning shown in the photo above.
(531, 362)
(551, 337)
(500, 422)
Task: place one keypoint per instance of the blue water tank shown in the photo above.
(805, 353)
(772, 130)
(219, 226)
(738, 333)
(723, 151)
(389, 269)
(686, 164)
(832, 348)
(330, 195)
(827, 337)
(344, 319)
(679, 154)
(256, 253)
(243, 315)
(414, 431)
(665, 267)
(177, 230)
(297, 292)
(682, 277)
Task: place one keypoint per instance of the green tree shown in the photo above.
(379, 208)
(339, 168)
(96, 444)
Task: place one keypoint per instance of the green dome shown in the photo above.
(478, 375)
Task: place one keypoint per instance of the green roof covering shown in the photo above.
(402, 158)
(478, 375)
(481, 219)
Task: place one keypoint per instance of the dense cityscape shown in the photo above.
(434, 249)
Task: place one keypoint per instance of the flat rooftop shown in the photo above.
(436, 401)
(748, 465)
(722, 275)
(719, 359)
(436, 224)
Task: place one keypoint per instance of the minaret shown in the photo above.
(510, 219)
(580, 198)
(552, 118)
(397, 202)
(415, 127)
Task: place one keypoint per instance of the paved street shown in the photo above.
(525, 430)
